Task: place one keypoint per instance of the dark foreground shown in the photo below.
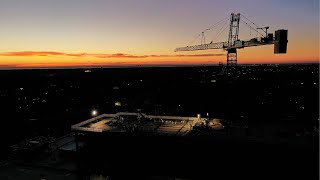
(132, 157)
(273, 112)
(202, 158)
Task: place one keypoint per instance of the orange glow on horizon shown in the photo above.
(63, 61)
(52, 59)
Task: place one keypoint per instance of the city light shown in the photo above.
(94, 112)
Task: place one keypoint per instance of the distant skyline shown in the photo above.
(76, 33)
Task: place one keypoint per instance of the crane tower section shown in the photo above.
(233, 38)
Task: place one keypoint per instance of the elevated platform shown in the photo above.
(138, 122)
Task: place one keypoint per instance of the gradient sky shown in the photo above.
(59, 33)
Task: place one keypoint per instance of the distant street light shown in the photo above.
(94, 113)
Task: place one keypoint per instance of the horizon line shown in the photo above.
(151, 66)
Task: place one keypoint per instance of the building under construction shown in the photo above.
(142, 125)
(121, 140)
(125, 122)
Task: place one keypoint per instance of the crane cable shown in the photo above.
(224, 27)
(251, 23)
(208, 29)
(249, 20)
(224, 19)
(251, 27)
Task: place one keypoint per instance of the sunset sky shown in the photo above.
(73, 33)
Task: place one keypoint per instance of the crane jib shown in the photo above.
(220, 45)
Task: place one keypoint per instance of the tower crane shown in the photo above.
(279, 41)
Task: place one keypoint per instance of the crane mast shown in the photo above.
(232, 56)
(280, 41)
